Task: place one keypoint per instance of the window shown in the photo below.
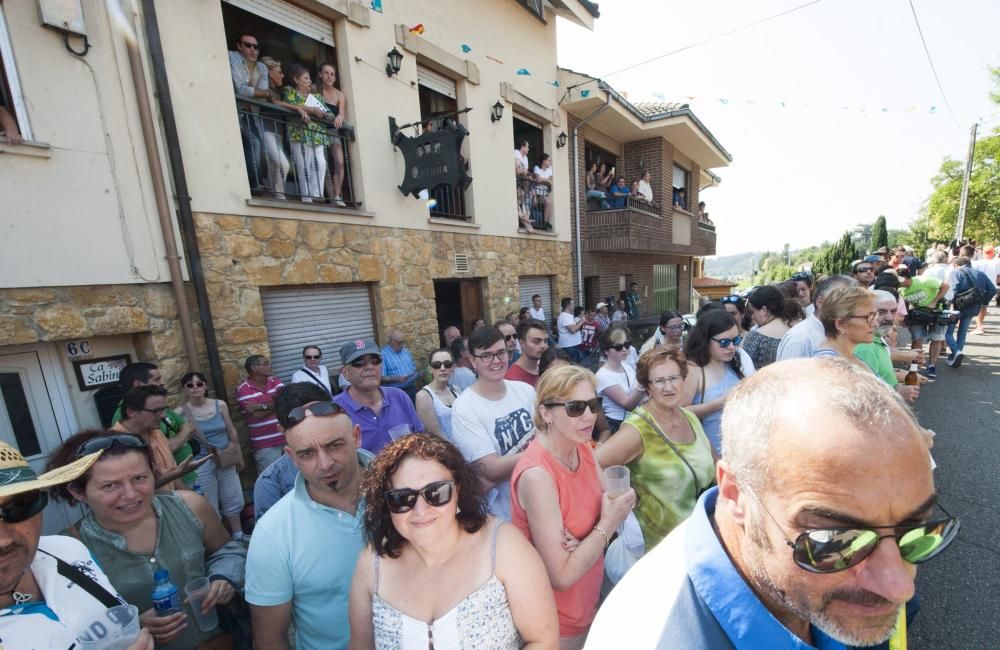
(14, 116)
(534, 189)
(664, 287)
(439, 105)
(286, 159)
(680, 187)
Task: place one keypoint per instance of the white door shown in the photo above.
(28, 423)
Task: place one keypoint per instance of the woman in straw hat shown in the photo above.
(38, 574)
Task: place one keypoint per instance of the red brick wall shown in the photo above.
(608, 266)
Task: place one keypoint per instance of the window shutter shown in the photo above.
(288, 15)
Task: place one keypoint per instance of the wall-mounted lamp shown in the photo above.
(496, 113)
(561, 140)
(395, 62)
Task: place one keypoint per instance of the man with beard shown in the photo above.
(825, 502)
(877, 355)
(302, 554)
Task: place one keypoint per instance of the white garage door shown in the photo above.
(529, 285)
(325, 316)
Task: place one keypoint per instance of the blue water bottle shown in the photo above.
(166, 599)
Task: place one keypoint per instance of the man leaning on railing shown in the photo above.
(250, 80)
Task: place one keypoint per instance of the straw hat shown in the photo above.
(16, 475)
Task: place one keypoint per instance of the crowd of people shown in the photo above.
(382, 509)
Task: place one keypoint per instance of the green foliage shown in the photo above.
(837, 258)
(982, 214)
(880, 236)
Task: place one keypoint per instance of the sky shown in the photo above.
(806, 172)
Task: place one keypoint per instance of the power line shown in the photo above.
(931, 63)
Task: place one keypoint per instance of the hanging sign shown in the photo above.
(432, 158)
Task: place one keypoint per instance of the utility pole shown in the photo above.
(963, 202)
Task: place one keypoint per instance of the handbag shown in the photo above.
(228, 456)
(970, 297)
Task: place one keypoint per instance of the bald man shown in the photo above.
(823, 471)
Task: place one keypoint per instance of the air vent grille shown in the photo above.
(461, 263)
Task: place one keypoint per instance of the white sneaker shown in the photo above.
(339, 202)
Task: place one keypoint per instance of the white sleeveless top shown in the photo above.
(442, 411)
(481, 621)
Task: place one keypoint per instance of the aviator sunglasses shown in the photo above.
(575, 407)
(435, 495)
(22, 507)
(725, 343)
(829, 550)
(320, 409)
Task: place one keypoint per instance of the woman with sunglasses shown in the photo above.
(438, 570)
(220, 485)
(774, 315)
(616, 382)
(435, 399)
(714, 367)
(554, 358)
(132, 531)
(669, 457)
(736, 308)
(849, 318)
(558, 499)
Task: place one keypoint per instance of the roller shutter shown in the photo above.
(288, 15)
(529, 285)
(325, 316)
(436, 82)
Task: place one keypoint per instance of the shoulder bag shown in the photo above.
(971, 296)
(698, 490)
(225, 457)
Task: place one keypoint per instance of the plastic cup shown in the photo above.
(399, 431)
(616, 480)
(197, 591)
(114, 629)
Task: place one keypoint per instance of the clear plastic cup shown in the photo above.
(616, 480)
(197, 591)
(399, 431)
(114, 629)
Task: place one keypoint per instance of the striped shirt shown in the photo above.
(396, 364)
(263, 432)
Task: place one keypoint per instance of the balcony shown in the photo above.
(638, 227)
(288, 159)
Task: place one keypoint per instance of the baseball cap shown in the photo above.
(903, 270)
(599, 305)
(989, 252)
(872, 258)
(358, 348)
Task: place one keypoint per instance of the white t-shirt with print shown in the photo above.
(607, 378)
(481, 427)
(568, 339)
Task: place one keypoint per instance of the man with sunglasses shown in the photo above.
(863, 271)
(50, 586)
(492, 420)
(302, 554)
(812, 535)
(375, 408)
(250, 79)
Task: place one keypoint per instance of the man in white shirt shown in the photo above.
(536, 310)
(570, 336)
(803, 339)
(621, 313)
(990, 265)
(492, 421)
(313, 370)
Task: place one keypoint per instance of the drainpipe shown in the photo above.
(576, 191)
(185, 218)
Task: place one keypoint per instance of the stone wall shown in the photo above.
(243, 254)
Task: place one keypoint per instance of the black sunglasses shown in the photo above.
(366, 361)
(508, 337)
(313, 356)
(22, 507)
(617, 346)
(107, 442)
(829, 550)
(725, 343)
(194, 384)
(801, 277)
(733, 299)
(404, 499)
(437, 365)
(320, 409)
(575, 407)
(863, 269)
(252, 46)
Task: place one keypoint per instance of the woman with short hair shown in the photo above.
(849, 317)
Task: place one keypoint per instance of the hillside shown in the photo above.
(730, 266)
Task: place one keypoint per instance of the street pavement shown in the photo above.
(960, 589)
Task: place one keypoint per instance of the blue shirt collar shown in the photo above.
(746, 621)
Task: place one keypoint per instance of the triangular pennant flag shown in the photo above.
(466, 48)
(523, 72)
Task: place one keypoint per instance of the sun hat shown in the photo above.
(17, 476)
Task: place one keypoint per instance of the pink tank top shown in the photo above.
(580, 503)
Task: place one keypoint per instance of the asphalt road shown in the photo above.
(960, 589)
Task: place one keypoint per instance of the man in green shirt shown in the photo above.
(876, 354)
(924, 292)
(174, 428)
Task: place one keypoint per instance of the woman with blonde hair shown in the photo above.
(558, 499)
(849, 317)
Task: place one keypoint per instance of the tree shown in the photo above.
(862, 234)
(880, 236)
(838, 258)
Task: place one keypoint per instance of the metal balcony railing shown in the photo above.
(623, 203)
(290, 160)
(532, 199)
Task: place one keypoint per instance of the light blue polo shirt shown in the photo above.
(305, 552)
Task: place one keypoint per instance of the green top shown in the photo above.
(921, 291)
(170, 426)
(314, 133)
(876, 356)
(180, 549)
(663, 483)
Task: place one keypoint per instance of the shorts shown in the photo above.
(921, 332)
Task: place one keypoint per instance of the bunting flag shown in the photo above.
(466, 48)
(417, 29)
(523, 72)
(554, 84)
(584, 93)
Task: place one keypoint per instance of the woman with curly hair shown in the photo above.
(438, 570)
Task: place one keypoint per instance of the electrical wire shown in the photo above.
(930, 61)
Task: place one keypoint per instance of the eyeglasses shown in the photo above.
(673, 328)
(22, 507)
(320, 409)
(575, 407)
(618, 347)
(159, 411)
(435, 495)
(486, 357)
(107, 442)
(194, 384)
(725, 343)
(661, 382)
(870, 317)
(252, 46)
(863, 269)
(829, 550)
(313, 357)
(437, 365)
(733, 299)
(366, 361)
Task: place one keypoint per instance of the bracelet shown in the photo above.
(604, 534)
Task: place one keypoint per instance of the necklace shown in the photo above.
(19, 597)
(568, 466)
